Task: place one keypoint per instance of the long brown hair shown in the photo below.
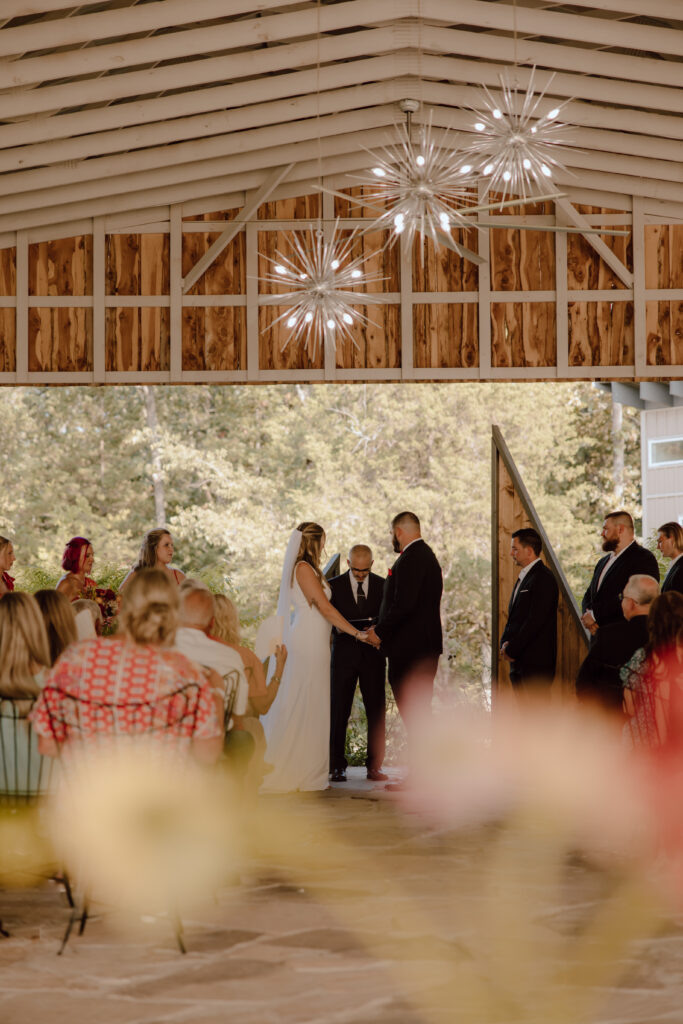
(23, 644)
(147, 559)
(311, 547)
(149, 608)
(60, 621)
(664, 623)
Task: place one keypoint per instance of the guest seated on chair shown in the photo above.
(156, 553)
(7, 560)
(615, 643)
(24, 662)
(24, 647)
(226, 629)
(193, 639)
(91, 624)
(652, 673)
(60, 620)
(135, 668)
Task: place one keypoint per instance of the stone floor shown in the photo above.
(360, 913)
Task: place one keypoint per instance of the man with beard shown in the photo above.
(625, 558)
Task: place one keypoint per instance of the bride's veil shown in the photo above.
(284, 604)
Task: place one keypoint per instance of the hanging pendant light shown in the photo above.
(514, 148)
(322, 279)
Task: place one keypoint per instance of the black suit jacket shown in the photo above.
(674, 578)
(531, 628)
(605, 604)
(344, 600)
(409, 623)
(614, 644)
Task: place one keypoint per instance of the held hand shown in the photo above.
(280, 658)
(372, 637)
(504, 654)
(363, 637)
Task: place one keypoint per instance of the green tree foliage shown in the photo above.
(243, 465)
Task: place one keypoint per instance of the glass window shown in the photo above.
(666, 451)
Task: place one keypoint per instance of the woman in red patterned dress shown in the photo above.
(127, 677)
(7, 560)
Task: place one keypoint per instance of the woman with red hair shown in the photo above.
(76, 583)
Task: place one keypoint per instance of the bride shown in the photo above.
(297, 727)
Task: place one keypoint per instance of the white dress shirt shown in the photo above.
(522, 573)
(356, 583)
(198, 647)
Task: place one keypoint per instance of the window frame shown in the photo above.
(663, 440)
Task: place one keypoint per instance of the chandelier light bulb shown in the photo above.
(319, 276)
(465, 169)
(422, 184)
(517, 146)
(379, 172)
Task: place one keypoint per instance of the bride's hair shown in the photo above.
(311, 547)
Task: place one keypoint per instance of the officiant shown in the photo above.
(357, 594)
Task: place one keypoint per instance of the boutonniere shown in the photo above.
(389, 572)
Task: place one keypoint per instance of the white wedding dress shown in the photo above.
(297, 727)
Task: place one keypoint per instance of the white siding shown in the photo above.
(663, 485)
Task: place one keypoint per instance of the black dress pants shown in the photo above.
(353, 663)
(412, 683)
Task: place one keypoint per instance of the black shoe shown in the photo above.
(337, 775)
(375, 775)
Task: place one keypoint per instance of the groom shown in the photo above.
(409, 624)
(357, 594)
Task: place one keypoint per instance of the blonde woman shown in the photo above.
(24, 648)
(24, 661)
(226, 629)
(297, 727)
(7, 560)
(156, 552)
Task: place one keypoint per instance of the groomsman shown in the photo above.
(625, 558)
(529, 640)
(670, 543)
(357, 594)
(409, 625)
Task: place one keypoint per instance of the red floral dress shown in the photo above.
(133, 678)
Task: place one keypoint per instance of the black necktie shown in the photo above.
(361, 599)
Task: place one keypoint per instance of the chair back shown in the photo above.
(231, 682)
(24, 772)
(79, 720)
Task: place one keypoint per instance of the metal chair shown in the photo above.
(81, 724)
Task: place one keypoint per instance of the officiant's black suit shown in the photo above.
(604, 601)
(531, 629)
(356, 662)
(409, 624)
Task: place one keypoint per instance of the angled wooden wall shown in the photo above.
(106, 304)
(512, 510)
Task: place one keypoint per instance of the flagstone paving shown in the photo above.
(401, 933)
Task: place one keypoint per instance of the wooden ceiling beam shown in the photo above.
(254, 32)
(653, 8)
(142, 138)
(28, 8)
(509, 17)
(84, 28)
(191, 74)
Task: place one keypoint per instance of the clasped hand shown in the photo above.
(369, 637)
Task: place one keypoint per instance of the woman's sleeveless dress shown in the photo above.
(297, 727)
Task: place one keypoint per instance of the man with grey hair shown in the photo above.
(598, 680)
(196, 615)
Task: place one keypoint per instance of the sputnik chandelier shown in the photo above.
(513, 148)
(424, 189)
(322, 278)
